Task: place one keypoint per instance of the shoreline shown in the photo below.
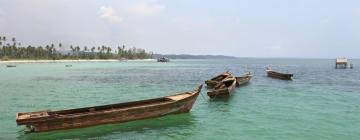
(65, 61)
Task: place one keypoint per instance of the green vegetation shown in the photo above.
(13, 50)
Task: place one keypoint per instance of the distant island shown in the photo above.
(188, 56)
(13, 50)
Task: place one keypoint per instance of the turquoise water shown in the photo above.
(319, 103)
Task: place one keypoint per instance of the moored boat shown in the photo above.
(163, 59)
(278, 75)
(41, 121)
(217, 79)
(224, 88)
(243, 79)
(9, 66)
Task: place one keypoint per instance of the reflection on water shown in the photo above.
(126, 129)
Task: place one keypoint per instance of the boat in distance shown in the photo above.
(278, 75)
(224, 88)
(163, 59)
(243, 79)
(41, 121)
(217, 79)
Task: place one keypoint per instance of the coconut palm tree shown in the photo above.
(14, 41)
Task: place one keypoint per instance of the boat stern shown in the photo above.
(218, 93)
(30, 117)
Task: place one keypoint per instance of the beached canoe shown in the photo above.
(224, 88)
(114, 113)
(278, 75)
(243, 79)
(217, 79)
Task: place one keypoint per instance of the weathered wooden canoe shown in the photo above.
(224, 88)
(283, 76)
(243, 79)
(114, 113)
(217, 79)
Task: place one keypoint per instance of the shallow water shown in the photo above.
(319, 103)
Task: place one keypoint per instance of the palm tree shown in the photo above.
(72, 50)
(13, 40)
(47, 47)
(84, 52)
(52, 50)
(92, 53)
(92, 49)
(77, 49)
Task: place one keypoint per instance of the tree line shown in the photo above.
(12, 49)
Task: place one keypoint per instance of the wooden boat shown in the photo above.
(217, 79)
(243, 79)
(274, 74)
(9, 66)
(114, 113)
(224, 88)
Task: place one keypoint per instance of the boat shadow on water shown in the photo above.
(140, 126)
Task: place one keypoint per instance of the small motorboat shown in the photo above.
(163, 59)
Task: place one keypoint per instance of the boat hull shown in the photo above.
(217, 79)
(278, 75)
(243, 80)
(223, 92)
(58, 122)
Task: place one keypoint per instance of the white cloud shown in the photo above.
(146, 9)
(108, 13)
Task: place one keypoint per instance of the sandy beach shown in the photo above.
(66, 61)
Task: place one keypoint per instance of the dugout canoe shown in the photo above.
(41, 121)
(224, 88)
(243, 79)
(217, 79)
(278, 75)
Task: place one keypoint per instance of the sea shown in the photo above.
(320, 103)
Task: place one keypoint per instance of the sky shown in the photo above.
(242, 28)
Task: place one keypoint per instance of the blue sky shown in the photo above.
(256, 28)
